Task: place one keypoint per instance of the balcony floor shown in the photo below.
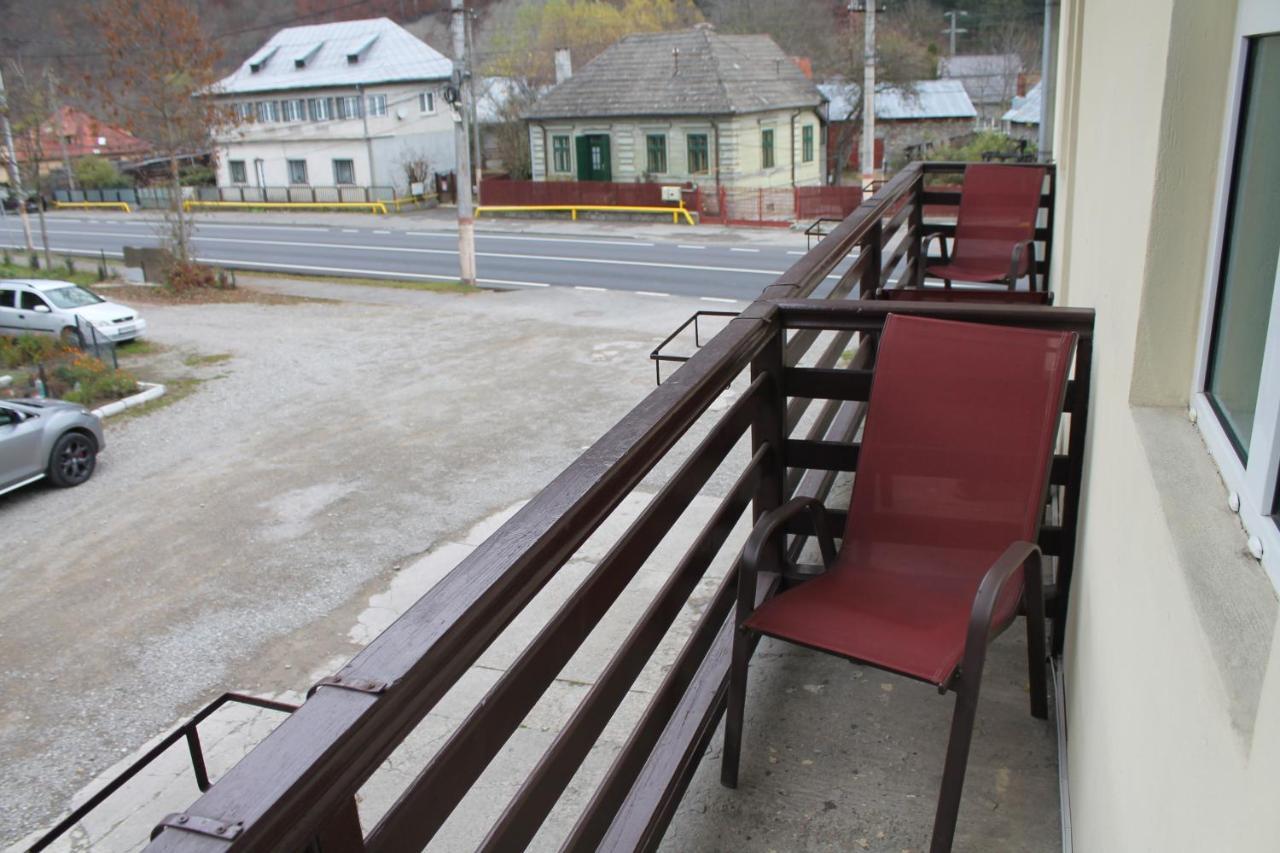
(842, 757)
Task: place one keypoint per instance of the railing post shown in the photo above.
(769, 428)
(916, 228)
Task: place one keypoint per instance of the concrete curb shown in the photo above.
(152, 391)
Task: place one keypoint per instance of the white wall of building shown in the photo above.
(406, 130)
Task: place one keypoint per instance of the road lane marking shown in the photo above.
(490, 235)
(364, 273)
(381, 232)
(685, 246)
(649, 293)
(350, 230)
(591, 289)
(738, 249)
(794, 252)
(719, 299)
(254, 226)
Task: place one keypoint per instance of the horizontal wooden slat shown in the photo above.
(830, 383)
(821, 455)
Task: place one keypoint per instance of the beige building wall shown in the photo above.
(739, 148)
(1173, 659)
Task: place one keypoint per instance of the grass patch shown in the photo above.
(393, 283)
(147, 295)
(174, 390)
(205, 360)
(139, 347)
(85, 275)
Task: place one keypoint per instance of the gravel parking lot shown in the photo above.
(238, 531)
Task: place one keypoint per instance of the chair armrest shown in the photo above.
(769, 525)
(1027, 248)
(927, 239)
(1019, 555)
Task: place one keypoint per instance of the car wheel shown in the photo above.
(72, 337)
(73, 459)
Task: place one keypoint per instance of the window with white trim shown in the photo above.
(344, 172)
(294, 109)
(349, 106)
(238, 173)
(377, 105)
(321, 109)
(297, 171)
(1237, 393)
(426, 102)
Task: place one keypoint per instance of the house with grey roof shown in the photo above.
(1022, 120)
(909, 117)
(990, 79)
(348, 104)
(729, 111)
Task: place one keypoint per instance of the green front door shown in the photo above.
(593, 157)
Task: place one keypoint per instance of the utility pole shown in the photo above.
(15, 174)
(462, 145)
(478, 155)
(951, 29)
(869, 94)
(61, 130)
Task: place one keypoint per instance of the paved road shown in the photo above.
(714, 271)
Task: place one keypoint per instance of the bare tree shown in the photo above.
(158, 60)
(31, 116)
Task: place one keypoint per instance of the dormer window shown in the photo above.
(303, 60)
(359, 54)
(256, 65)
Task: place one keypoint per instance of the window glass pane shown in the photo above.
(1251, 242)
(426, 102)
(697, 153)
(238, 174)
(656, 151)
(766, 149)
(806, 135)
(344, 172)
(297, 171)
(560, 147)
(6, 298)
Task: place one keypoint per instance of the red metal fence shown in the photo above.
(499, 192)
(746, 206)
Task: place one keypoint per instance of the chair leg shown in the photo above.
(735, 711)
(944, 821)
(1037, 656)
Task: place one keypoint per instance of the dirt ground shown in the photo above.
(314, 449)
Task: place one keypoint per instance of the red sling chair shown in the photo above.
(996, 227)
(951, 482)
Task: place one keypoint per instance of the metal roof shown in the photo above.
(322, 55)
(693, 72)
(988, 78)
(1025, 110)
(923, 99)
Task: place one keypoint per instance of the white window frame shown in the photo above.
(341, 183)
(376, 105)
(288, 167)
(320, 105)
(427, 103)
(293, 109)
(243, 180)
(1255, 485)
(349, 107)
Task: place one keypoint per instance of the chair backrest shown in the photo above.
(998, 209)
(955, 455)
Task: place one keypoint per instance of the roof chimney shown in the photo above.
(564, 64)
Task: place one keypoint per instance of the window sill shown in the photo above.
(1232, 594)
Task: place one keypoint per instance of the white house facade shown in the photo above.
(350, 104)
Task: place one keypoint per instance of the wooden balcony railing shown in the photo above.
(801, 359)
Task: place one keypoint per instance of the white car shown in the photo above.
(65, 309)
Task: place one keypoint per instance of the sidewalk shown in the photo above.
(444, 219)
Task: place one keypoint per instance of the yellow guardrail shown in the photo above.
(400, 202)
(371, 206)
(676, 212)
(114, 205)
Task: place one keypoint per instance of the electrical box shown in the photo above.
(670, 193)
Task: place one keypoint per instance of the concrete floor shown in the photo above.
(110, 640)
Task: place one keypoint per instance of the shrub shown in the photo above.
(97, 173)
(987, 142)
(29, 349)
(182, 276)
(34, 261)
(91, 380)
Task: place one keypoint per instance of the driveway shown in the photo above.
(230, 540)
